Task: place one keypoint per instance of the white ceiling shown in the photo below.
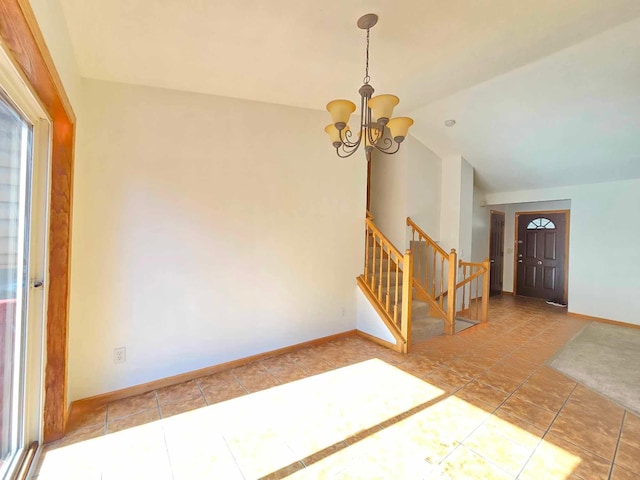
(304, 53)
(568, 119)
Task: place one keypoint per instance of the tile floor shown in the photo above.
(480, 405)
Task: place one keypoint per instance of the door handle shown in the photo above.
(539, 262)
(493, 261)
(520, 261)
(37, 283)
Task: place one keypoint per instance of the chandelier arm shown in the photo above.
(385, 143)
(386, 151)
(346, 139)
(347, 153)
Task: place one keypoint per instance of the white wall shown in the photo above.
(604, 259)
(424, 172)
(368, 320)
(54, 30)
(456, 212)
(388, 203)
(403, 185)
(205, 229)
(480, 226)
(466, 212)
(450, 202)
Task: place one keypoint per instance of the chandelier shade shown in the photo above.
(334, 134)
(341, 110)
(377, 126)
(399, 127)
(382, 107)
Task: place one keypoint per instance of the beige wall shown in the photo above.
(456, 213)
(403, 185)
(54, 30)
(205, 229)
(481, 226)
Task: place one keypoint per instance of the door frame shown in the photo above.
(567, 215)
(25, 44)
(30, 388)
(504, 234)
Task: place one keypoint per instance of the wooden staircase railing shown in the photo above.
(475, 296)
(391, 279)
(432, 265)
(434, 275)
(386, 282)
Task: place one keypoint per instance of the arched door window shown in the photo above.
(541, 223)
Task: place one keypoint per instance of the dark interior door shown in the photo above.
(541, 255)
(496, 252)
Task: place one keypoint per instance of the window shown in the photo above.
(541, 224)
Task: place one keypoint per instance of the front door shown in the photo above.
(496, 252)
(541, 251)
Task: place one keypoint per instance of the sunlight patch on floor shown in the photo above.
(309, 420)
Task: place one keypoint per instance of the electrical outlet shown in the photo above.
(119, 355)
(342, 312)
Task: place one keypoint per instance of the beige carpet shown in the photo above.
(605, 358)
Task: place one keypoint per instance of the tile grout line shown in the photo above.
(615, 453)
(164, 434)
(266, 370)
(235, 460)
(582, 447)
(486, 420)
(547, 430)
(155, 395)
(106, 421)
(239, 382)
(204, 397)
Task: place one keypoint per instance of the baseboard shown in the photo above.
(507, 293)
(103, 398)
(603, 320)
(379, 341)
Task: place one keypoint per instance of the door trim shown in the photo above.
(504, 230)
(567, 215)
(24, 42)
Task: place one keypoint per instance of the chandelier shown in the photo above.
(377, 128)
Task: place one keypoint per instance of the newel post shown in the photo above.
(407, 293)
(485, 290)
(450, 327)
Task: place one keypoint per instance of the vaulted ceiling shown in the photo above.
(526, 80)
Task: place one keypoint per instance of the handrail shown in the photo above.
(469, 279)
(387, 283)
(435, 273)
(427, 238)
(473, 271)
(378, 233)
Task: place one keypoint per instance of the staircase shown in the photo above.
(424, 291)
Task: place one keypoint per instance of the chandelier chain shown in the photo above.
(367, 79)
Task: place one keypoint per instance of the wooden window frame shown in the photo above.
(24, 42)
